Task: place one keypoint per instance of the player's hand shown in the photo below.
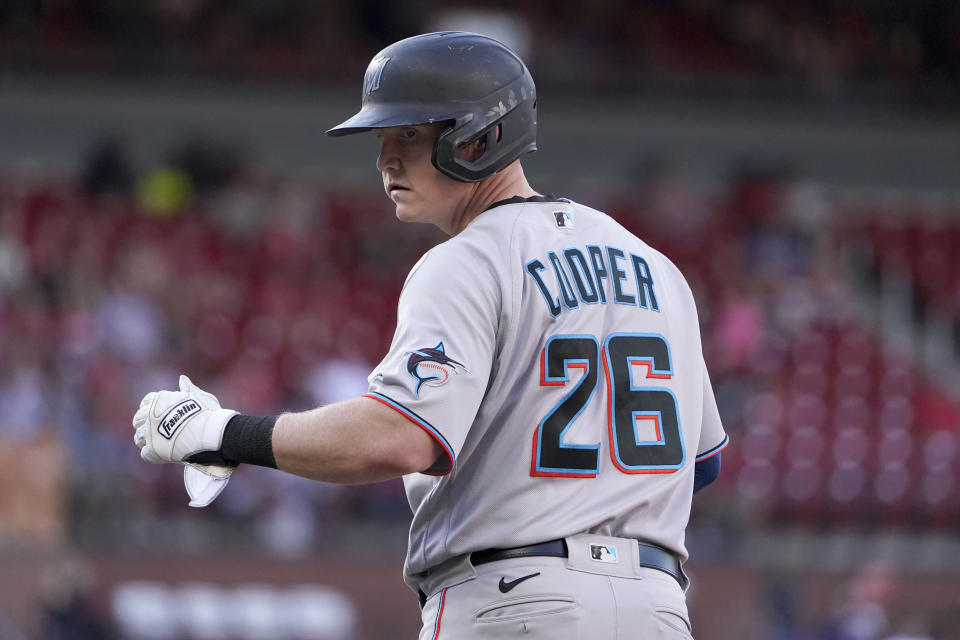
(172, 426)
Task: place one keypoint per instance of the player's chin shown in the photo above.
(407, 213)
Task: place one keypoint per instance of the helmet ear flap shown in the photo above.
(449, 157)
(502, 145)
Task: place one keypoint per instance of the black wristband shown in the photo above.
(249, 440)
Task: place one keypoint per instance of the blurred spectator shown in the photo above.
(739, 327)
(863, 611)
(163, 191)
(33, 475)
(25, 399)
(781, 608)
(13, 255)
(66, 610)
(241, 206)
(131, 324)
(107, 170)
(340, 377)
(674, 209)
(292, 523)
(209, 164)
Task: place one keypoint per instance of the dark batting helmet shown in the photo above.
(471, 81)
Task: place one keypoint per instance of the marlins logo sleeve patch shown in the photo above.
(431, 366)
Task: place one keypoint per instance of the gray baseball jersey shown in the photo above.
(556, 358)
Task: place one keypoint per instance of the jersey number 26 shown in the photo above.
(628, 403)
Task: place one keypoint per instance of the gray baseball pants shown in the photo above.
(575, 598)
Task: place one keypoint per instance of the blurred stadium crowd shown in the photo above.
(618, 42)
(276, 296)
(280, 295)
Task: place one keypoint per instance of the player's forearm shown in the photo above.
(354, 441)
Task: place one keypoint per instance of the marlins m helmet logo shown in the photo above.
(371, 80)
(431, 366)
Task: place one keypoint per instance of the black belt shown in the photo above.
(554, 548)
(651, 556)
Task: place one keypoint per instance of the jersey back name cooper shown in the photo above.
(556, 358)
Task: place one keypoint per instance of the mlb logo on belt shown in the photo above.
(604, 553)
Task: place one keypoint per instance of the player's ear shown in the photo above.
(473, 151)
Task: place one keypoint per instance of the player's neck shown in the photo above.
(505, 184)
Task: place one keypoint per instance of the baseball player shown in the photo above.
(545, 396)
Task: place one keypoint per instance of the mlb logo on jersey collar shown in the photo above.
(564, 219)
(604, 553)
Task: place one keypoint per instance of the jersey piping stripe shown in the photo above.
(420, 422)
(712, 452)
(436, 624)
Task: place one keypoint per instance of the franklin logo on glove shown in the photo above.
(174, 426)
(176, 416)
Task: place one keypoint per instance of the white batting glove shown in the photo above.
(171, 426)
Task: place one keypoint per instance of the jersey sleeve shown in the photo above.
(713, 439)
(439, 363)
